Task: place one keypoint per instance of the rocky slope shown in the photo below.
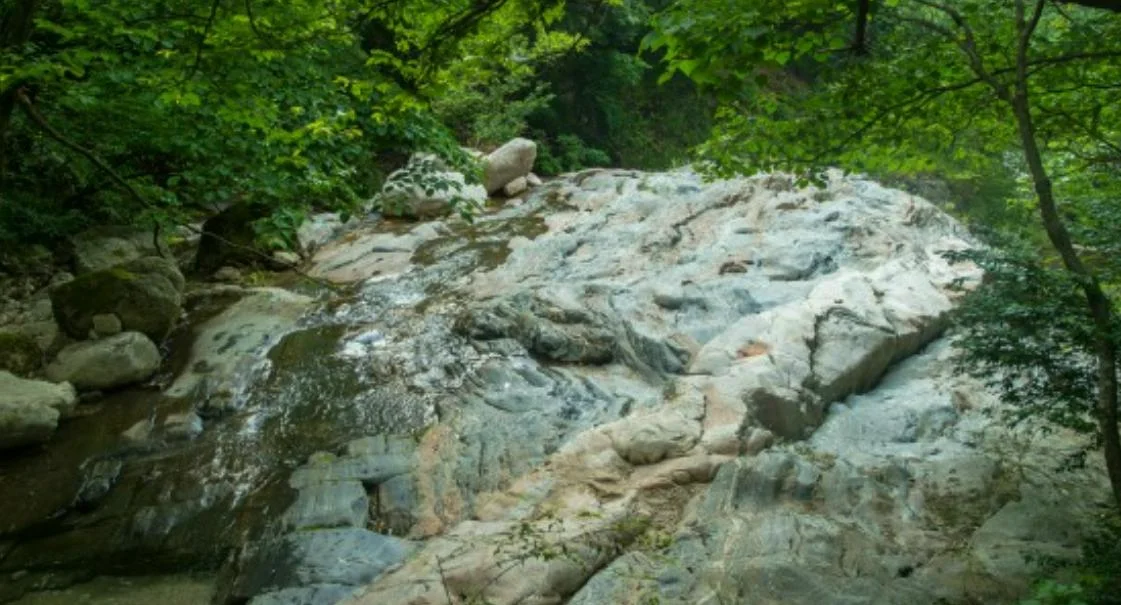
(620, 388)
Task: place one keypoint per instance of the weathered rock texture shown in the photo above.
(627, 386)
(635, 367)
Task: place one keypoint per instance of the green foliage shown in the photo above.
(568, 153)
(1026, 334)
(1094, 580)
(200, 103)
(795, 95)
(609, 97)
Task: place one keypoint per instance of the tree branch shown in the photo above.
(38, 119)
(202, 39)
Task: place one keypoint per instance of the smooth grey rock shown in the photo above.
(554, 328)
(516, 187)
(286, 259)
(508, 162)
(341, 557)
(112, 362)
(230, 346)
(327, 505)
(533, 180)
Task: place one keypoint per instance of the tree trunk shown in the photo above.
(1099, 305)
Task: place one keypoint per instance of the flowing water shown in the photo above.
(360, 361)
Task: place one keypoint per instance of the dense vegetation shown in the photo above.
(150, 112)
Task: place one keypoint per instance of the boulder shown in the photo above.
(426, 188)
(144, 294)
(30, 409)
(104, 247)
(228, 238)
(507, 163)
(116, 361)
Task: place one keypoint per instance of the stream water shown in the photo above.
(300, 376)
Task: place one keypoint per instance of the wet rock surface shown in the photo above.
(629, 385)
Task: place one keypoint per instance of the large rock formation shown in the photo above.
(628, 387)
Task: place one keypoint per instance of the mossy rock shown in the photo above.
(146, 294)
(19, 354)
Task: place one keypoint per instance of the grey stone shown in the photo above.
(397, 502)
(286, 259)
(341, 557)
(508, 162)
(18, 391)
(30, 409)
(230, 346)
(516, 187)
(182, 427)
(330, 504)
(126, 358)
